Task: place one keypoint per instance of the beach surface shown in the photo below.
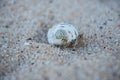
(25, 53)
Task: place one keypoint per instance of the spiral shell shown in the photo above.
(62, 34)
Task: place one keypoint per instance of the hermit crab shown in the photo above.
(63, 34)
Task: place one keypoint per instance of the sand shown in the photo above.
(26, 55)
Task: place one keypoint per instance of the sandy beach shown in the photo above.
(25, 53)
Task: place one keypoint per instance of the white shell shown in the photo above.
(62, 34)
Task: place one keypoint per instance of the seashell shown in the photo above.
(62, 34)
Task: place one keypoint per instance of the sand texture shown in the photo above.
(26, 55)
